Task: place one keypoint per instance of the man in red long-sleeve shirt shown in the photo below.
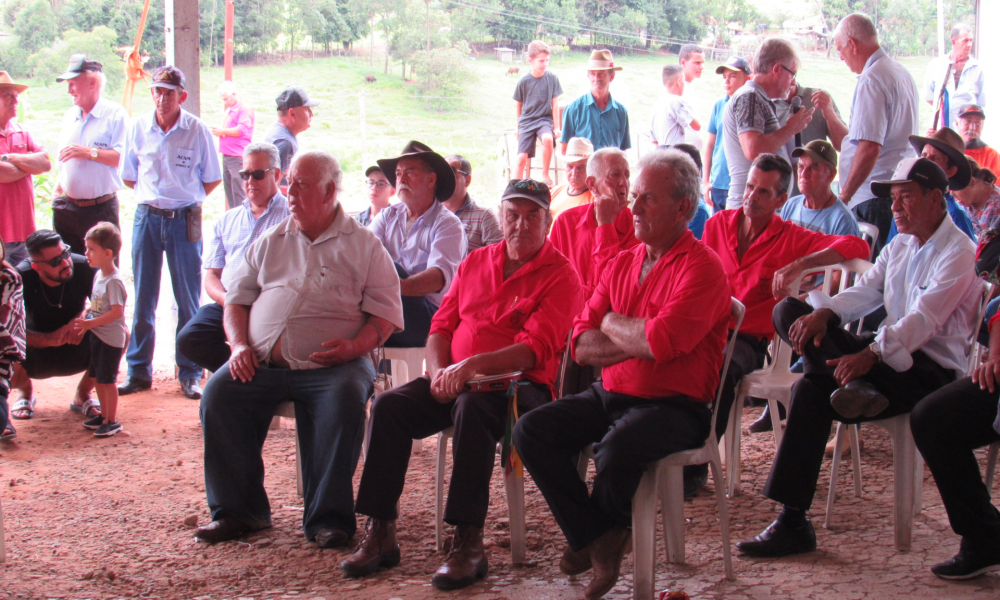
(656, 325)
(763, 255)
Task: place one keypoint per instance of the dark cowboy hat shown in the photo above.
(445, 186)
(952, 145)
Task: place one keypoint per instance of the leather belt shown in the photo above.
(166, 214)
(90, 202)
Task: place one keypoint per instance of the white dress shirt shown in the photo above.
(104, 128)
(931, 296)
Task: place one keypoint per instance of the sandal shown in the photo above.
(23, 409)
(9, 433)
(90, 408)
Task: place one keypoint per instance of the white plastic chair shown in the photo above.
(666, 478)
(869, 233)
(991, 467)
(407, 364)
(514, 486)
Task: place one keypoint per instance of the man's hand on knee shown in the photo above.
(243, 363)
(852, 366)
(809, 328)
(451, 381)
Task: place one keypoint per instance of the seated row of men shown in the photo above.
(316, 294)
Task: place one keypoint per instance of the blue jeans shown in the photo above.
(719, 196)
(152, 235)
(329, 418)
(203, 339)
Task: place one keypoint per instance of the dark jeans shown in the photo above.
(947, 426)
(232, 184)
(628, 433)
(58, 361)
(410, 412)
(417, 315)
(878, 212)
(72, 222)
(203, 340)
(329, 420)
(749, 354)
(793, 476)
(719, 196)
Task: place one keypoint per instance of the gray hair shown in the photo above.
(767, 163)
(273, 158)
(772, 52)
(683, 175)
(329, 167)
(597, 164)
(858, 27)
(227, 87)
(671, 73)
(959, 29)
(463, 163)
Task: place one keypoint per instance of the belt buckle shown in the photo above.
(170, 214)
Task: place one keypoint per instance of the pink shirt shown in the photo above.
(17, 199)
(242, 116)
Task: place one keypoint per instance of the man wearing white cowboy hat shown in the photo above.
(574, 192)
(424, 239)
(597, 116)
(20, 158)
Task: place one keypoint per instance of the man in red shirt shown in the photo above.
(657, 326)
(509, 309)
(763, 255)
(20, 158)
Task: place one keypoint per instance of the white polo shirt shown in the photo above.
(104, 128)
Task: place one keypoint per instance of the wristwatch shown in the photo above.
(876, 350)
(3, 158)
(93, 153)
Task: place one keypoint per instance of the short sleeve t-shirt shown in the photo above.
(287, 145)
(835, 219)
(108, 291)
(719, 176)
(671, 116)
(536, 94)
(49, 308)
(748, 110)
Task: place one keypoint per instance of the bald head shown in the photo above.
(857, 27)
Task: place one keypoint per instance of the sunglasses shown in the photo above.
(57, 261)
(257, 175)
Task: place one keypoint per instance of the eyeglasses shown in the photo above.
(460, 171)
(57, 261)
(371, 183)
(258, 174)
(791, 72)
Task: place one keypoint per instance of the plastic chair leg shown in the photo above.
(442, 452)
(775, 412)
(644, 536)
(991, 464)
(720, 499)
(734, 433)
(904, 466)
(515, 509)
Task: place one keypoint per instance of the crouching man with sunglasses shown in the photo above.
(203, 340)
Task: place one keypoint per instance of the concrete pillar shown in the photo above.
(183, 48)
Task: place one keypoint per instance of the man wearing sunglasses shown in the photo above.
(750, 124)
(203, 339)
(56, 287)
(171, 163)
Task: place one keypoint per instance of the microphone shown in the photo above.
(796, 104)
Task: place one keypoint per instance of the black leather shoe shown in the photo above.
(763, 423)
(780, 540)
(858, 398)
(133, 385)
(967, 564)
(191, 389)
(223, 530)
(331, 537)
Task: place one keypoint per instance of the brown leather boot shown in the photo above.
(574, 563)
(466, 562)
(377, 549)
(606, 554)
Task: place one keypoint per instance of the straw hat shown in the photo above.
(6, 81)
(578, 148)
(601, 60)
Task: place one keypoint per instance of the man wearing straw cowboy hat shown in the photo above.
(575, 191)
(597, 116)
(424, 239)
(20, 158)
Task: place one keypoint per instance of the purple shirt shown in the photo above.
(238, 115)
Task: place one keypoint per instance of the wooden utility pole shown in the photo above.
(229, 39)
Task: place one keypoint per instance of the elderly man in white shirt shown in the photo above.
(926, 280)
(959, 74)
(313, 297)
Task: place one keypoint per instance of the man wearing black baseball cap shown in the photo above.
(170, 160)
(294, 116)
(925, 278)
(715, 177)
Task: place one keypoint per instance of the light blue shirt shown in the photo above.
(697, 224)
(606, 128)
(436, 239)
(719, 175)
(884, 111)
(835, 219)
(236, 230)
(169, 168)
(971, 88)
(104, 129)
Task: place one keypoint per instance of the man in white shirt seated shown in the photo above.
(926, 281)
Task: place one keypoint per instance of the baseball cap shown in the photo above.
(528, 189)
(818, 150)
(168, 76)
(919, 170)
(735, 63)
(78, 64)
(971, 110)
(372, 169)
(294, 97)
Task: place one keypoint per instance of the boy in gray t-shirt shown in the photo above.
(106, 320)
(536, 97)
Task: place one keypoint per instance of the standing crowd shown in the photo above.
(591, 315)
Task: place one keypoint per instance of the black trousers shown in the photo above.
(627, 432)
(417, 315)
(409, 412)
(72, 222)
(203, 339)
(749, 354)
(793, 476)
(878, 212)
(947, 426)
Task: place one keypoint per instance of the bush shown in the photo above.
(443, 74)
(14, 58)
(98, 45)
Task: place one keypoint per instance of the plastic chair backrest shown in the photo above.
(737, 310)
(869, 233)
(974, 354)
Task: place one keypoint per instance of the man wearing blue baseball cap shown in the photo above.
(294, 116)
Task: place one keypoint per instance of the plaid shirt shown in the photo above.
(236, 230)
(481, 225)
(986, 218)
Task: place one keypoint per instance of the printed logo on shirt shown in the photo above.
(184, 158)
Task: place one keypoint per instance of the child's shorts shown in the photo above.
(104, 361)
(526, 138)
